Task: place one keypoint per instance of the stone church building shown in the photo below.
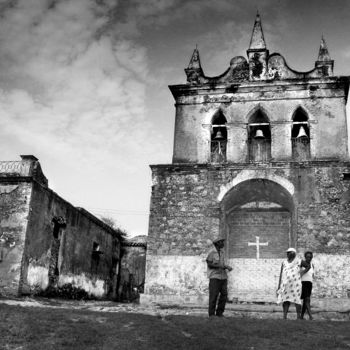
(260, 157)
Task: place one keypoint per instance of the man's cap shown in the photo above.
(216, 240)
(291, 250)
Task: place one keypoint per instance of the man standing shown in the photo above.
(217, 278)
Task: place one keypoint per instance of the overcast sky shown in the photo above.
(83, 83)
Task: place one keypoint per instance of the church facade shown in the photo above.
(261, 158)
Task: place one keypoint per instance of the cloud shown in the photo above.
(73, 93)
(83, 83)
(69, 84)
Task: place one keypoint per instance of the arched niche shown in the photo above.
(258, 207)
(259, 137)
(218, 139)
(300, 135)
(258, 218)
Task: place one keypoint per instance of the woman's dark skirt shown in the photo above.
(306, 289)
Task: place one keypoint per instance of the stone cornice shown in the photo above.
(312, 84)
(134, 244)
(15, 179)
(258, 166)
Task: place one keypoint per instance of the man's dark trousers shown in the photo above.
(216, 287)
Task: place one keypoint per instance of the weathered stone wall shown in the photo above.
(77, 264)
(186, 213)
(176, 278)
(267, 182)
(14, 209)
(324, 219)
(323, 102)
(183, 279)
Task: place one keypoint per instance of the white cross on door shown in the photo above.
(257, 244)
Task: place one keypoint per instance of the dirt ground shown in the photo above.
(50, 324)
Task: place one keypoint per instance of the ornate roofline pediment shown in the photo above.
(260, 66)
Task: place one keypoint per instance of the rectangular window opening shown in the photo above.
(95, 247)
(346, 176)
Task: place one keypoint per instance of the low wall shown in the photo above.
(183, 279)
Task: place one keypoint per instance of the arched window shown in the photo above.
(259, 138)
(218, 142)
(300, 136)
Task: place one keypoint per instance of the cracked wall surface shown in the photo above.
(35, 253)
(14, 210)
(186, 214)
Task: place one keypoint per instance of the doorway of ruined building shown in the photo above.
(58, 226)
(258, 219)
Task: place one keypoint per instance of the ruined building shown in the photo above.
(45, 242)
(260, 157)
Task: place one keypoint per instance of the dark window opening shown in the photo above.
(259, 138)
(300, 136)
(56, 231)
(95, 257)
(218, 142)
(346, 176)
(59, 224)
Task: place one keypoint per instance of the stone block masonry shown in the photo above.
(192, 204)
(260, 157)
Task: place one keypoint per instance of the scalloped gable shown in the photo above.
(260, 66)
(237, 72)
(278, 69)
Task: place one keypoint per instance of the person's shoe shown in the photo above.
(220, 315)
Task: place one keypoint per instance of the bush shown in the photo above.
(67, 291)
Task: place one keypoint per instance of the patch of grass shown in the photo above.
(51, 328)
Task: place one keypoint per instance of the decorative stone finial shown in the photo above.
(194, 70)
(324, 63)
(195, 62)
(257, 41)
(323, 54)
(257, 52)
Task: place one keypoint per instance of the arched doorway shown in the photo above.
(258, 219)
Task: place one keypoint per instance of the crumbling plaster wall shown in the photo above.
(14, 204)
(75, 248)
(323, 106)
(185, 216)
